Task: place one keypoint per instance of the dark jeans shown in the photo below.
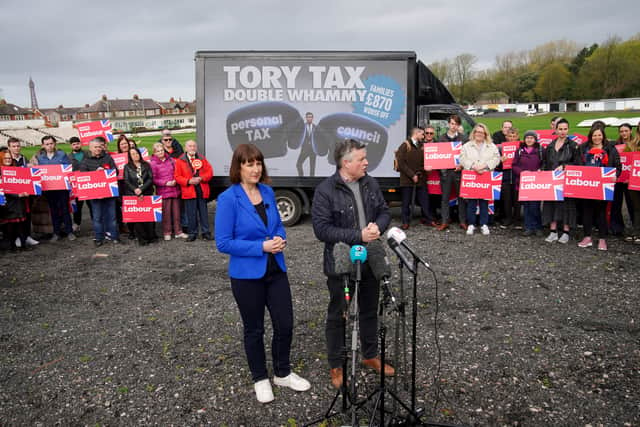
(594, 209)
(58, 201)
(77, 215)
(635, 202)
(145, 232)
(450, 179)
(472, 205)
(422, 198)
(104, 218)
(368, 317)
(197, 214)
(509, 203)
(252, 296)
(620, 194)
(532, 216)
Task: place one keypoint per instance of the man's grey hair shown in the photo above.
(344, 149)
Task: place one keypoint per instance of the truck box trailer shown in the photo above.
(295, 105)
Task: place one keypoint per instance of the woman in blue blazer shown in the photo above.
(248, 227)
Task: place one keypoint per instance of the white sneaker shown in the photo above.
(182, 236)
(18, 243)
(167, 237)
(264, 394)
(564, 238)
(470, 230)
(75, 227)
(31, 241)
(552, 237)
(71, 237)
(485, 230)
(293, 381)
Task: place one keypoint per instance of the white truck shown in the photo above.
(295, 105)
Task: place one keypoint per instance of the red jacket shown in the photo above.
(184, 172)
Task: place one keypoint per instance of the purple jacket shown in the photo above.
(524, 161)
(163, 172)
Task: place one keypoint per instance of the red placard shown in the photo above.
(509, 151)
(55, 177)
(141, 209)
(476, 185)
(589, 182)
(433, 182)
(634, 176)
(541, 186)
(90, 130)
(545, 136)
(625, 161)
(120, 159)
(95, 185)
(442, 155)
(17, 180)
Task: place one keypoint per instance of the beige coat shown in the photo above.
(473, 154)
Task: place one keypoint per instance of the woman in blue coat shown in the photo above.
(248, 227)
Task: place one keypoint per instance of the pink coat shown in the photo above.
(163, 172)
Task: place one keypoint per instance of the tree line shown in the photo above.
(556, 70)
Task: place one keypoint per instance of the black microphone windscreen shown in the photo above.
(377, 259)
(341, 258)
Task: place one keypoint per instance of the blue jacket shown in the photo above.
(240, 231)
(59, 158)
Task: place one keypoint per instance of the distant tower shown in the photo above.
(34, 100)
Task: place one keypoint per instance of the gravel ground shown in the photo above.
(530, 334)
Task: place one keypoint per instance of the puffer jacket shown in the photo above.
(470, 155)
(163, 172)
(335, 218)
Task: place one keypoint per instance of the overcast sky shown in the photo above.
(77, 51)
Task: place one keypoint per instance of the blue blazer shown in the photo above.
(240, 231)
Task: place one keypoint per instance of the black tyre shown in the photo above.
(289, 206)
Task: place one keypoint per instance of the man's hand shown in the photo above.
(370, 233)
(137, 191)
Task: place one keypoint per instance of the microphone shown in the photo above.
(378, 261)
(395, 239)
(342, 265)
(358, 255)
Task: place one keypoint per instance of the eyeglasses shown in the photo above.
(166, 139)
(429, 133)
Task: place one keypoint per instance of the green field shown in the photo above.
(142, 141)
(542, 121)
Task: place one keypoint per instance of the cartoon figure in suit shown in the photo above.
(307, 146)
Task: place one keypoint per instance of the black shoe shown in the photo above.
(98, 243)
(132, 236)
(207, 237)
(528, 233)
(191, 239)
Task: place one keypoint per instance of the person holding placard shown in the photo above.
(481, 155)
(138, 181)
(164, 167)
(621, 192)
(529, 158)
(634, 237)
(450, 178)
(58, 200)
(508, 205)
(249, 228)
(13, 214)
(104, 210)
(561, 152)
(597, 152)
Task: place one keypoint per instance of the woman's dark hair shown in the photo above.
(560, 121)
(246, 153)
(120, 138)
(626, 125)
(591, 132)
(598, 124)
(130, 161)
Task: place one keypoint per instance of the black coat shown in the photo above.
(335, 218)
(90, 163)
(569, 154)
(131, 181)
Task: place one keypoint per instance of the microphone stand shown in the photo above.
(354, 317)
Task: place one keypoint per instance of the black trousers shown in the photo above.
(368, 317)
(422, 198)
(306, 151)
(594, 210)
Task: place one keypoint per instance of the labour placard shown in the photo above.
(485, 186)
(634, 175)
(442, 155)
(509, 152)
(17, 180)
(95, 185)
(90, 130)
(141, 209)
(589, 182)
(433, 182)
(541, 186)
(55, 177)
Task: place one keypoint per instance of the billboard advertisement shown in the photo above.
(295, 109)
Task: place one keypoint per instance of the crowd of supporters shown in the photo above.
(180, 175)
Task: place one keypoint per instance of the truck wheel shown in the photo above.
(289, 206)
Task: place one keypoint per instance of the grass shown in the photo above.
(142, 141)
